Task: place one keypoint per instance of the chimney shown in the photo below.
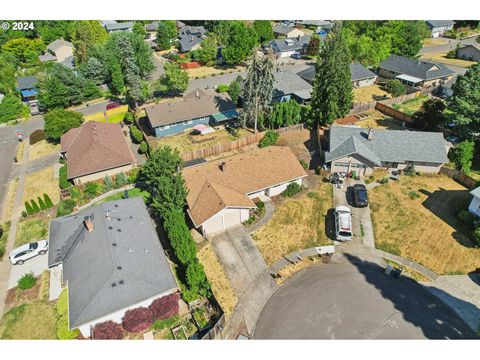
(197, 94)
(370, 133)
(222, 166)
(87, 221)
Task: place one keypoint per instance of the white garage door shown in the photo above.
(213, 225)
(232, 218)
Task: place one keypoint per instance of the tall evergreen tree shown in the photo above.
(258, 89)
(332, 86)
(163, 37)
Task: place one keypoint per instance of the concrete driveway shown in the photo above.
(239, 256)
(354, 299)
(37, 265)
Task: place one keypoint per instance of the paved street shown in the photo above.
(354, 299)
(92, 108)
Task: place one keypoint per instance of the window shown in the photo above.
(165, 127)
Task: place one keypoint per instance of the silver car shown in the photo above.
(19, 255)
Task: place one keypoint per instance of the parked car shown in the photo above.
(296, 56)
(360, 195)
(113, 105)
(343, 224)
(19, 255)
(453, 139)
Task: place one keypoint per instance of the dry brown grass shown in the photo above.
(43, 148)
(35, 321)
(291, 269)
(425, 229)
(297, 223)
(41, 182)
(441, 57)
(369, 94)
(221, 287)
(434, 41)
(206, 71)
(296, 141)
(20, 151)
(380, 121)
(12, 191)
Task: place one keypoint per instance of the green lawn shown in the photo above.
(3, 239)
(35, 321)
(116, 118)
(410, 107)
(135, 192)
(31, 230)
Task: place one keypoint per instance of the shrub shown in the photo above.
(270, 138)
(476, 235)
(222, 88)
(462, 155)
(36, 136)
(24, 213)
(107, 182)
(466, 217)
(133, 175)
(165, 307)
(65, 207)
(396, 88)
(62, 160)
(143, 147)
(121, 179)
(108, 330)
(179, 235)
(35, 207)
(63, 181)
(292, 189)
(410, 170)
(137, 320)
(413, 195)
(383, 180)
(91, 189)
(48, 201)
(304, 164)
(41, 203)
(28, 208)
(129, 118)
(136, 134)
(27, 281)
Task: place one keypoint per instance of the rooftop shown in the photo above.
(358, 72)
(438, 23)
(282, 29)
(287, 82)
(187, 42)
(119, 26)
(421, 69)
(58, 44)
(26, 82)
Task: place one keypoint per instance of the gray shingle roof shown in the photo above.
(282, 29)
(358, 72)
(119, 26)
(387, 145)
(476, 192)
(26, 82)
(120, 263)
(153, 26)
(290, 44)
(421, 69)
(287, 82)
(192, 30)
(323, 23)
(57, 44)
(187, 42)
(439, 23)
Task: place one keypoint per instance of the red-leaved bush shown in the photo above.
(137, 320)
(108, 330)
(165, 307)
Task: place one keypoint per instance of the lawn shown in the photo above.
(297, 223)
(12, 190)
(3, 239)
(35, 321)
(298, 142)
(411, 106)
(434, 42)
(424, 227)
(206, 71)
(441, 57)
(41, 182)
(20, 151)
(43, 148)
(221, 287)
(380, 121)
(369, 94)
(29, 230)
(135, 192)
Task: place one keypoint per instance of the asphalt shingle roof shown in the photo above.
(119, 26)
(58, 44)
(438, 23)
(26, 82)
(282, 29)
(287, 82)
(192, 30)
(421, 69)
(118, 264)
(187, 42)
(290, 44)
(387, 145)
(358, 72)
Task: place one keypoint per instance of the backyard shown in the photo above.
(416, 218)
(411, 106)
(377, 120)
(441, 57)
(297, 223)
(369, 94)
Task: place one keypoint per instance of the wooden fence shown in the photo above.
(362, 107)
(234, 145)
(459, 176)
(390, 111)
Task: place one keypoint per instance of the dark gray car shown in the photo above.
(360, 195)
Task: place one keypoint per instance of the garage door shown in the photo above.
(213, 225)
(232, 218)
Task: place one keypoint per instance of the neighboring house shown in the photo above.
(289, 46)
(180, 24)
(151, 30)
(119, 26)
(288, 85)
(283, 30)
(188, 30)
(95, 150)
(27, 85)
(111, 261)
(221, 192)
(60, 51)
(413, 72)
(445, 89)
(469, 52)
(362, 150)
(360, 75)
(190, 37)
(474, 206)
(440, 27)
(197, 107)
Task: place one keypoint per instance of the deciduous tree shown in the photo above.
(59, 121)
(174, 81)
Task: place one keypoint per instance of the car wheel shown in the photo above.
(42, 252)
(19, 262)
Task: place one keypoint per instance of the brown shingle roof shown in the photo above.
(195, 104)
(211, 189)
(95, 147)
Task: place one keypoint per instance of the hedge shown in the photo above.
(292, 189)
(165, 307)
(48, 201)
(63, 181)
(108, 330)
(137, 320)
(143, 147)
(270, 138)
(136, 134)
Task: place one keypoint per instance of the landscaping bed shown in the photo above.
(411, 106)
(416, 217)
(206, 71)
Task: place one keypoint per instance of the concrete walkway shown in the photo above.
(269, 210)
(105, 195)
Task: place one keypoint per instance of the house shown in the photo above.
(469, 52)
(95, 150)
(60, 51)
(111, 260)
(289, 46)
(221, 192)
(119, 26)
(189, 42)
(197, 107)
(283, 30)
(413, 72)
(440, 27)
(151, 30)
(445, 90)
(360, 75)
(188, 30)
(27, 87)
(288, 85)
(474, 206)
(362, 150)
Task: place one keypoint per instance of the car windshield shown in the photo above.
(362, 194)
(33, 245)
(345, 233)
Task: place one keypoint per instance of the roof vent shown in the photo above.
(114, 244)
(119, 268)
(107, 214)
(370, 134)
(119, 230)
(121, 282)
(110, 228)
(116, 205)
(114, 285)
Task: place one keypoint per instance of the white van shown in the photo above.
(343, 224)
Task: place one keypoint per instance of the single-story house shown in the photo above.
(289, 46)
(188, 30)
(413, 72)
(151, 30)
(111, 261)
(197, 107)
(315, 23)
(360, 75)
(189, 42)
(60, 51)
(362, 150)
(221, 192)
(283, 30)
(288, 85)
(440, 27)
(119, 26)
(95, 150)
(469, 52)
(474, 206)
(27, 85)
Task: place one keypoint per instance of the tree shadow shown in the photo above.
(330, 224)
(417, 304)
